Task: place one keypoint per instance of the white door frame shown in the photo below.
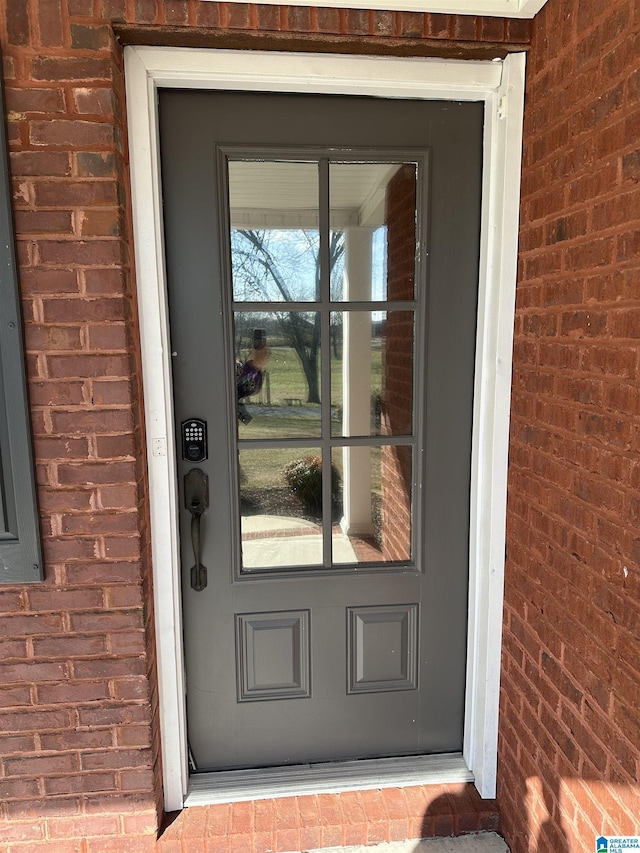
(500, 85)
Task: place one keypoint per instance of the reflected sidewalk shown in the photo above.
(273, 541)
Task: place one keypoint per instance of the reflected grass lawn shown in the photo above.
(280, 411)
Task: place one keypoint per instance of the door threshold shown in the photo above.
(230, 786)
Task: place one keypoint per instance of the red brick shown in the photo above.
(116, 759)
(40, 163)
(70, 647)
(50, 23)
(89, 37)
(329, 20)
(299, 19)
(72, 692)
(310, 837)
(83, 826)
(71, 366)
(73, 252)
(268, 17)
(96, 101)
(176, 12)
(136, 780)
(242, 821)
(19, 789)
(103, 572)
(30, 672)
(17, 18)
(43, 221)
(76, 740)
(80, 8)
(41, 765)
(31, 624)
(265, 815)
(145, 11)
(48, 338)
(60, 310)
(72, 193)
(16, 744)
(99, 223)
(139, 844)
(131, 688)
(11, 600)
(78, 784)
(71, 68)
(29, 831)
(75, 134)
(120, 715)
(61, 550)
(90, 164)
(13, 649)
(118, 620)
(34, 100)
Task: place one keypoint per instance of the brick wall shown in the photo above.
(570, 733)
(79, 760)
(78, 703)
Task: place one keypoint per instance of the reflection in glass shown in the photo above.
(280, 507)
(371, 372)
(273, 209)
(374, 505)
(373, 219)
(284, 347)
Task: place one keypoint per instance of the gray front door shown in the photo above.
(322, 257)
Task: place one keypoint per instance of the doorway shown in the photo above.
(500, 87)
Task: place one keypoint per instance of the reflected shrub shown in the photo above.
(304, 478)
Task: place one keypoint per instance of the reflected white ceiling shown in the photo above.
(285, 195)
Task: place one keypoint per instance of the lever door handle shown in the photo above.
(196, 500)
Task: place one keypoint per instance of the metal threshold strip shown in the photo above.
(334, 777)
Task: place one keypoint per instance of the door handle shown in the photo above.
(196, 500)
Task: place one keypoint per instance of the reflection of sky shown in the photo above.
(379, 267)
(294, 253)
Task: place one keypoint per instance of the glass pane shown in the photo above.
(373, 231)
(371, 372)
(373, 510)
(280, 507)
(277, 364)
(273, 209)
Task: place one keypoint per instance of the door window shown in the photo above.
(326, 319)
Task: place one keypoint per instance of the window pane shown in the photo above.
(373, 510)
(273, 210)
(277, 364)
(373, 231)
(280, 507)
(372, 372)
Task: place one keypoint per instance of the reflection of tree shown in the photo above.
(285, 266)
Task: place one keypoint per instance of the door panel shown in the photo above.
(331, 627)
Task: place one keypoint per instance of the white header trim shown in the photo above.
(500, 85)
(494, 8)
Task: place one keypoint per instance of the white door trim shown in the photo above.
(500, 85)
(499, 8)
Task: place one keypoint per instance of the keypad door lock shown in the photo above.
(194, 440)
